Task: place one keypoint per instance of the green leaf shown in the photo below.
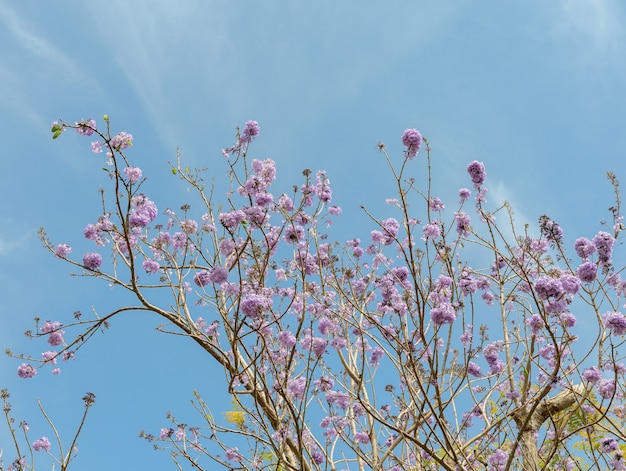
(174, 171)
(57, 133)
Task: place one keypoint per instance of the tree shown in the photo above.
(373, 354)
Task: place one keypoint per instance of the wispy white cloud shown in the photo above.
(26, 37)
(32, 66)
(14, 239)
(599, 23)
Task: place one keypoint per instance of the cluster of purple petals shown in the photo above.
(463, 224)
(62, 250)
(255, 305)
(443, 311)
(536, 323)
(258, 183)
(26, 370)
(491, 354)
(86, 128)
(497, 460)
(412, 140)
(548, 288)
(250, 131)
(97, 232)
(41, 444)
(550, 230)
(435, 204)
(477, 173)
(387, 236)
(584, 248)
(92, 261)
(615, 322)
(587, 272)
(122, 141)
(133, 174)
(216, 275)
(432, 230)
(603, 242)
(143, 211)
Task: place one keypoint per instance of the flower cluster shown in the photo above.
(412, 140)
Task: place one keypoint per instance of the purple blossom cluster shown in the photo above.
(443, 311)
(389, 233)
(412, 140)
(143, 211)
(477, 173)
(42, 444)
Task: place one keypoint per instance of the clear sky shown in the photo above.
(534, 89)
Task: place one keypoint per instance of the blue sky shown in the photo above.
(534, 89)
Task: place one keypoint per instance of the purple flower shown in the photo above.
(436, 204)
(609, 445)
(467, 282)
(377, 354)
(592, 375)
(603, 242)
(536, 323)
(41, 444)
(92, 261)
(412, 140)
(26, 370)
(464, 194)
(189, 226)
(497, 460)
(50, 357)
(340, 398)
(286, 339)
(587, 272)
(584, 247)
(606, 388)
(432, 230)
(477, 173)
(615, 322)
(547, 287)
(318, 345)
(390, 230)
(550, 229)
(250, 132)
(62, 250)
(151, 266)
(443, 314)
(473, 369)
(133, 174)
(232, 219)
(296, 387)
(466, 336)
(362, 437)
(463, 222)
(122, 141)
(324, 383)
(570, 283)
(218, 275)
(86, 128)
(144, 211)
(254, 305)
(165, 433)
(202, 278)
(233, 454)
